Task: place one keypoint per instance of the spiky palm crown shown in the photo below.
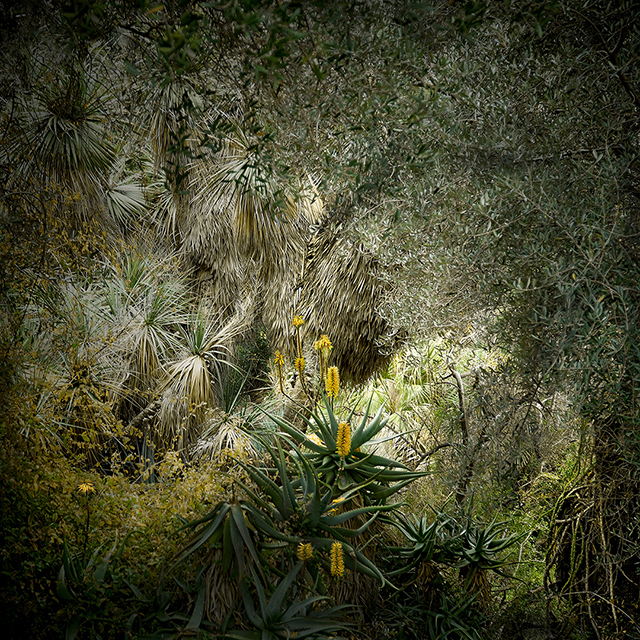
(60, 140)
(60, 137)
(187, 387)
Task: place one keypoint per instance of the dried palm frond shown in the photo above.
(340, 296)
(172, 122)
(223, 437)
(238, 226)
(124, 197)
(221, 589)
(234, 185)
(209, 245)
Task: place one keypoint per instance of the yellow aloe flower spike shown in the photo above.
(298, 321)
(86, 487)
(315, 439)
(343, 441)
(279, 361)
(304, 551)
(335, 506)
(332, 382)
(337, 560)
(323, 346)
(300, 365)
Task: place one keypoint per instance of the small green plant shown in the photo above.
(94, 599)
(472, 548)
(279, 618)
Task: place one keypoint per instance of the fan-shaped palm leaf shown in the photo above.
(125, 201)
(188, 390)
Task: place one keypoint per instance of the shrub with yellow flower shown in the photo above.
(86, 488)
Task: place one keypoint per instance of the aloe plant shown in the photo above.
(282, 512)
(308, 510)
(421, 536)
(278, 618)
(377, 477)
(472, 548)
(473, 545)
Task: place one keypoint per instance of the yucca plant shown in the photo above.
(125, 202)
(224, 433)
(60, 142)
(72, 381)
(187, 389)
(144, 303)
(64, 130)
(224, 439)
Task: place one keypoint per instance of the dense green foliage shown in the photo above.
(448, 191)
